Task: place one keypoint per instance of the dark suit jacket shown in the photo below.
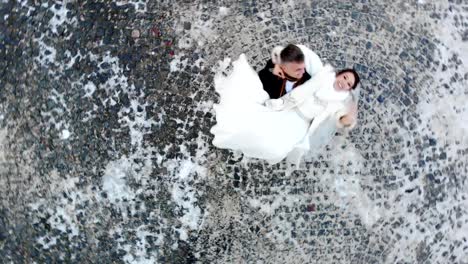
(274, 85)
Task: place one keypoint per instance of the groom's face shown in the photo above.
(294, 69)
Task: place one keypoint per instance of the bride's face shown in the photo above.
(344, 81)
(294, 69)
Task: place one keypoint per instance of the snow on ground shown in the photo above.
(139, 5)
(59, 16)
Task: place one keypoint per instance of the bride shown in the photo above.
(300, 122)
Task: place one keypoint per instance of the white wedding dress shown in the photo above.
(272, 129)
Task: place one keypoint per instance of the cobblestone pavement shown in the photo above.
(105, 111)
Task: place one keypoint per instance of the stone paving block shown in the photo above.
(106, 154)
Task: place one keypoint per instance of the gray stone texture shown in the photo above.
(106, 155)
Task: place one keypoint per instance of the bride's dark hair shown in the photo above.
(356, 76)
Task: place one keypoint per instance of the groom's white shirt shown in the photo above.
(289, 86)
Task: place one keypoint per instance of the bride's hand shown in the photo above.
(347, 120)
(275, 104)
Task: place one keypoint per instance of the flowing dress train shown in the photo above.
(245, 124)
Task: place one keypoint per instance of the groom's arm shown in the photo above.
(271, 83)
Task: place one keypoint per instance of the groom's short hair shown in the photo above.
(291, 53)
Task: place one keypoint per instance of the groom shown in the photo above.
(286, 70)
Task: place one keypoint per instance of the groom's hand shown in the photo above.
(278, 72)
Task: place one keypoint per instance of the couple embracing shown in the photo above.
(290, 108)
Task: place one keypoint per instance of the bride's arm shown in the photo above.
(284, 103)
(347, 116)
(312, 61)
